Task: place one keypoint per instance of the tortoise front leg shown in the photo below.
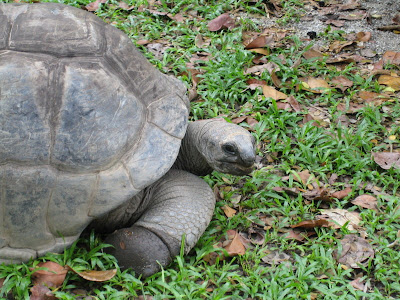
(180, 204)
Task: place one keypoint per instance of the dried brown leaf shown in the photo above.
(41, 292)
(366, 201)
(341, 82)
(270, 92)
(391, 57)
(349, 5)
(296, 235)
(293, 103)
(312, 53)
(52, 276)
(355, 251)
(311, 224)
(235, 247)
(315, 85)
(93, 275)
(342, 194)
(387, 160)
(396, 19)
(340, 217)
(276, 257)
(259, 42)
(254, 83)
(93, 6)
(391, 81)
(223, 21)
(363, 36)
(357, 284)
(229, 212)
(338, 46)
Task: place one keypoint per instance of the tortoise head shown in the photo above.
(227, 147)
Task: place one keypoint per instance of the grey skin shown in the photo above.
(180, 203)
(90, 130)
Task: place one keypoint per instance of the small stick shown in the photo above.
(389, 27)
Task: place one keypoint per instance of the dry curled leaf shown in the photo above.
(366, 201)
(355, 251)
(387, 160)
(223, 21)
(276, 257)
(390, 81)
(342, 194)
(340, 217)
(235, 246)
(311, 224)
(93, 275)
(315, 85)
(93, 6)
(363, 36)
(41, 292)
(271, 92)
(52, 275)
(229, 212)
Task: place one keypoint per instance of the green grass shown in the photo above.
(312, 271)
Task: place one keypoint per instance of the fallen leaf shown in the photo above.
(311, 224)
(312, 53)
(303, 176)
(315, 85)
(391, 57)
(125, 6)
(260, 42)
(276, 257)
(262, 51)
(349, 5)
(52, 275)
(254, 83)
(270, 92)
(93, 6)
(366, 201)
(235, 247)
(357, 284)
(259, 68)
(387, 160)
(363, 36)
(223, 21)
(338, 46)
(341, 82)
(93, 275)
(342, 194)
(336, 23)
(229, 212)
(318, 194)
(396, 19)
(355, 251)
(391, 81)
(339, 217)
(41, 292)
(293, 103)
(296, 235)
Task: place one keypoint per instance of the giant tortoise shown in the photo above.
(91, 133)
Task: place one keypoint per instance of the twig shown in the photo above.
(389, 27)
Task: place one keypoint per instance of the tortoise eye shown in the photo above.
(229, 149)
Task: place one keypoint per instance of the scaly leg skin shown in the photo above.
(181, 204)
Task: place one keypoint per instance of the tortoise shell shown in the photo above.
(86, 122)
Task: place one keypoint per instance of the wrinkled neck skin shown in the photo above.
(216, 145)
(190, 158)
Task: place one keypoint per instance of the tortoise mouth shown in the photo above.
(234, 168)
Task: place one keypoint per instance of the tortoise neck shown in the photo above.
(190, 158)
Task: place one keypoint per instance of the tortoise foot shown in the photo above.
(141, 249)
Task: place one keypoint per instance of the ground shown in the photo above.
(317, 84)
